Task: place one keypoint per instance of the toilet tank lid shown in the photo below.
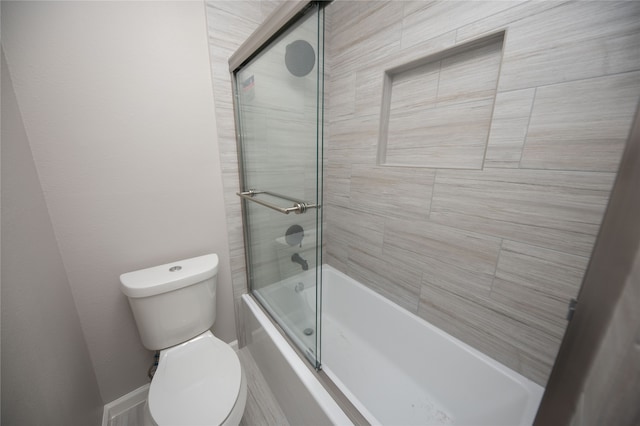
(168, 277)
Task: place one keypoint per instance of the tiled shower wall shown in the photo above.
(490, 249)
(229, 24)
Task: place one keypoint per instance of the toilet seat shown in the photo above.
(197, 383)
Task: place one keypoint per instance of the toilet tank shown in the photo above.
(174, 302)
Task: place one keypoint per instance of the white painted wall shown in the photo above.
(117, 104)
(47, 374)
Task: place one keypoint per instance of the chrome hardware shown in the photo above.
(296, 258)
(175, 268)
(299, 207)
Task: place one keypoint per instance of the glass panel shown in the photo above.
(279, 100)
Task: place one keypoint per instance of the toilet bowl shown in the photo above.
(189, 389)
(199, 379)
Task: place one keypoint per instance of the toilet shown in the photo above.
(199, 379)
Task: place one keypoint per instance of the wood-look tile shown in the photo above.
(337, 183)
(391, 191)
(423, 49)
(227, 29)
(582, 125)
(354, 140)
(368, 96)
(535, 285)
(532, 343)
(440, 112)
(504, 19)
(453, 136)
(443, 274)
(470, 75)
(465, 249)
(262, 408)
(541, 310)
(508, 128)
(365, 54)
(337, 259)
(370, 75)
(267, 7)
(455, 249)
(573, 41)
(350, 228)
(473, 320)
(413, 6)
(343, 95)
(229, 24)
(240, 285)
(360, 23)
(469, 322)
(415, 88)
(400, 285)
(559, 274)
(249, 10)
(224, 110)
(537, 368)
(556, 239)
(552, 209)
(443, 17)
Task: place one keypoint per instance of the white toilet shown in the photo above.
(199, 379)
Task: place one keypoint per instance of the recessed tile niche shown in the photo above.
(436, 111)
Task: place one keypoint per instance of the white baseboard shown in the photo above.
(234, 345)
(124, 403)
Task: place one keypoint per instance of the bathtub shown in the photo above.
(393, 366)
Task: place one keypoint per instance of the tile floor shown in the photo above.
(262, 409)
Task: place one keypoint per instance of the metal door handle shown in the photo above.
(298, 206)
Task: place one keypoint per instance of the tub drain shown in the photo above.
(308, 331)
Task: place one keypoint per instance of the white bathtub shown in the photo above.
(396, 368)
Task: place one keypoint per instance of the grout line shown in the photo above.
(526, 133)
(506, 25)
(636, 70)
(433, 189)
(495, 100)
(495, 269)
(435, 103)
(536, 245)
(421, 284)
(488, 18)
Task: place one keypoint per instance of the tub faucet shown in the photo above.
(296, 258)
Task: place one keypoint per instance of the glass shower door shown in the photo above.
(279, 116)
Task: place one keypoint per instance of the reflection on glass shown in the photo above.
(279, 102)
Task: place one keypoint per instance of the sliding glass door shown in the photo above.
(279, 114)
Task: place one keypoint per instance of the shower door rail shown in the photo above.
(298, 207)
